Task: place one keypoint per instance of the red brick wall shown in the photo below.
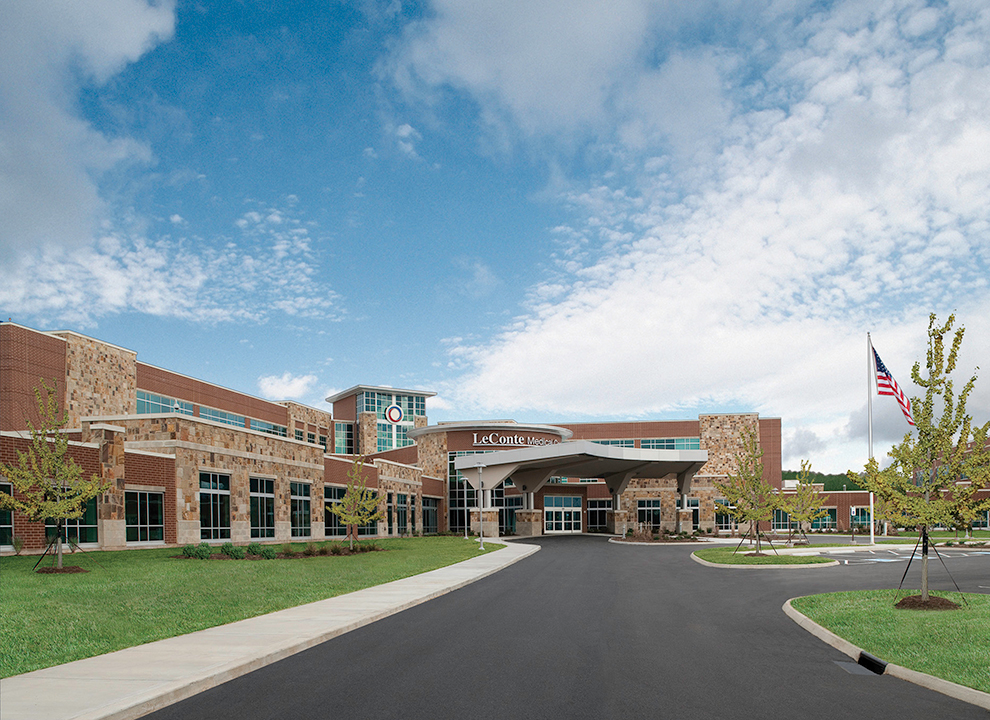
(624, 430)
(163, 382)
(770, 442)
(335, 472)
(27, 356)
(154, 471)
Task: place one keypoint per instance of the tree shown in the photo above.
(748, 497)
(359, 506)
(804, 505)
(921, 482)
(50, 483)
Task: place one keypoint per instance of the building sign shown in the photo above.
(393, 413)
(498, 439)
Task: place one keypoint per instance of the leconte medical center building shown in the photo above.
(189, 461)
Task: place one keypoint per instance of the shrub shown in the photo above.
(287, 550)
(268, 552)
(203, 551)
(254, 548)
(238, 553)
(324, 550)
(227, 549)
(336, 549)
(18, 544)
(310, 550)
(189, 551)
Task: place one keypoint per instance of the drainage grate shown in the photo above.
(852, 668)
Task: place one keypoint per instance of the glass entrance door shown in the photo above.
(561, 514)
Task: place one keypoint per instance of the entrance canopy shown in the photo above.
(532, 467)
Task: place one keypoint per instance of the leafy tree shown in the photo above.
(50, 483)
(920, 484)
(804, 505)
(359, 506)
(748, 497)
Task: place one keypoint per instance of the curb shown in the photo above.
(953, 690)
(706, 563)
(135, 703)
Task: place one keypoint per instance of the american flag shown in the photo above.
(886, 385)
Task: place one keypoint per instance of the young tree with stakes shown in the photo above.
(748, 497)
(50, 483)
(359, 506)
(804, 505)
(921, 483)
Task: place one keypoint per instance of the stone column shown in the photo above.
(111, 522)
(529, 523)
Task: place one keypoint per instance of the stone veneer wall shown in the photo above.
(100, 379)
(366, 434)
(311, 419)
(722, 437)
(433, 454)
(213, 447)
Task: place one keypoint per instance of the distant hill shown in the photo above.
(832, 482)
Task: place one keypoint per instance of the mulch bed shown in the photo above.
(913, 602)
(65, 570)
(658, 542)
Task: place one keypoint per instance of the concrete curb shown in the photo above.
(953, 690)
(706, 563)
(133, 682)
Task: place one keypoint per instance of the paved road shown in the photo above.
(588, 629)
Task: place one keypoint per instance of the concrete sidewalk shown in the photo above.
(133, 682)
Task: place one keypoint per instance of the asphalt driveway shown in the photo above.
(589, 629)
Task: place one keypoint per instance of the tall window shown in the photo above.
(333, 525)
(402, 513)
(343, 438)
(431, 515)
(299, 500)
(388, 514)
(6, 518)
(78, 530)
(598, 515)
(781, 520)
(723, 521)
(370, 528)
(827, 522)
(392, 435)
(648, 512)
(262, 508)
(214, 506)
(144, 516)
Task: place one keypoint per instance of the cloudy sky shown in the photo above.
(547, 210)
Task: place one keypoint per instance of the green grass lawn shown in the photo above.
(948, 644)
(135, 596)
(728, 556)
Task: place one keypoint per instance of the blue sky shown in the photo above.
(543, 210)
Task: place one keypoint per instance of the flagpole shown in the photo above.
(870, 374)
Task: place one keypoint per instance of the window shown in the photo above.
(860, 517)
(78, 530)
(598, 515)
(781, 520)
(221, 417)
(691, 443)
(388, 513)
(267, 427)
(617, 443)
(392, 435)
(825, 523)
(144, 516)
(149, 403)
(402, 513)
(370, 528)
(343, 438)
(323, 442)
(723, 521)
(214, 506)
(262, 508)
(648, 512)
(299, 510)
(460, 494)
(431, 515)
(299, 435)
(311, 438)
(333, 525)
(6, 518)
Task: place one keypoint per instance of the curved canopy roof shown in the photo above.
(532, 467)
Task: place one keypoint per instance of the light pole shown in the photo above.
(464, 487)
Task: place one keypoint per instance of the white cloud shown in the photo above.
(840, 190)
(286, 386)
(51, 158)
(270, 268)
